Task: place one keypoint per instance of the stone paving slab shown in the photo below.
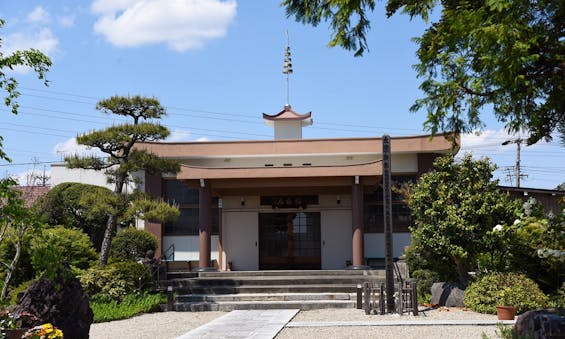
(401, 323)
(257, 324)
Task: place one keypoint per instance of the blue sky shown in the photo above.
(216, 66)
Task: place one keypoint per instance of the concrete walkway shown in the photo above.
(257, 324)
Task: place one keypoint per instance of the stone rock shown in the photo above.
(547, 323)
(447, 294)
(63, 304)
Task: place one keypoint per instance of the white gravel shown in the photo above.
(173, 324)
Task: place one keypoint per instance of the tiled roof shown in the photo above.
(31, 193)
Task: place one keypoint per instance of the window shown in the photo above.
(187, 200)
(374, 210)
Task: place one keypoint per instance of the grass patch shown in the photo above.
(131, 305)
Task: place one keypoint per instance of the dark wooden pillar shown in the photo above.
(205, 226)
(358, 240)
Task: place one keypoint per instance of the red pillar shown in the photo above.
(205, 225)
(358, 261)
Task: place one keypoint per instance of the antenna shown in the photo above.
(287, 67)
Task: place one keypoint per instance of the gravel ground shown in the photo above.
(152, 325)
(172, 324)
(404, 332)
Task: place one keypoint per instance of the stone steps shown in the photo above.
(237, 290)
(227, 306)
(264, 297)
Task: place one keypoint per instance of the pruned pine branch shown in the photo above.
(152, 210)
(136, 107)
(89, 162)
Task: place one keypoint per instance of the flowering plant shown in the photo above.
(45, 331)
(17, 319)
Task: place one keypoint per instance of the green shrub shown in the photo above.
(131, 305)
(114, 281)
(558, 299)
(425, 279)
(14, 298)
(132, 244)
(507, 289)
(55, 248)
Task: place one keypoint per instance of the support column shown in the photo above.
(205, 224)
(358, 262)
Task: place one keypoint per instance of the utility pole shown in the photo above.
(518, 142)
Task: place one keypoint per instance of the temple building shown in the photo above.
(287, 203)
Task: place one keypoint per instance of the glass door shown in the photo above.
(289, 241)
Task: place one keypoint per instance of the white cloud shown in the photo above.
(38, 15)
(202, 139)
(70, 147)
(111, 6)
(66, 21)
(178, 135)
(484, 139)
(181, 24)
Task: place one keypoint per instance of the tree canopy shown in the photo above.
(79, 206)
(508, 55)
(118, 142)
(453, 209)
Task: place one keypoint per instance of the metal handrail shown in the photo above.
(167, 257)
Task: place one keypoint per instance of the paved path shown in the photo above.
(257, 324)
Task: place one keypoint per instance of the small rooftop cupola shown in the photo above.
(287, 123)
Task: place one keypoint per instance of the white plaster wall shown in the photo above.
(240, 235)
(288, 130)
(404, 163)
(375, 244)
(60, 174)
(235, 202)
(334, 201)
(336, 238)
(187, 247)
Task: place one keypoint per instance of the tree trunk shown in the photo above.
(462, 272)
(13, 264)
(110, 227)
(107, 240)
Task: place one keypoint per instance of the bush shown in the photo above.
(558, 299)
(62, 246)
(425, 279)
(14, 293)
(505, 289)
(114, 281)
(130, 306)
(132, 244)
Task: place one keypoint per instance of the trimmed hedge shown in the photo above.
(504, 289)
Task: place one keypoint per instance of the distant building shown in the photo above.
(550, 199)
(31, 194)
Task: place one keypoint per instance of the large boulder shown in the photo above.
(62, 303)
(548, 323)
(447, 294)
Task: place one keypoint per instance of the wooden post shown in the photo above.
(414, 297)
(367, 297)
(387, 206)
